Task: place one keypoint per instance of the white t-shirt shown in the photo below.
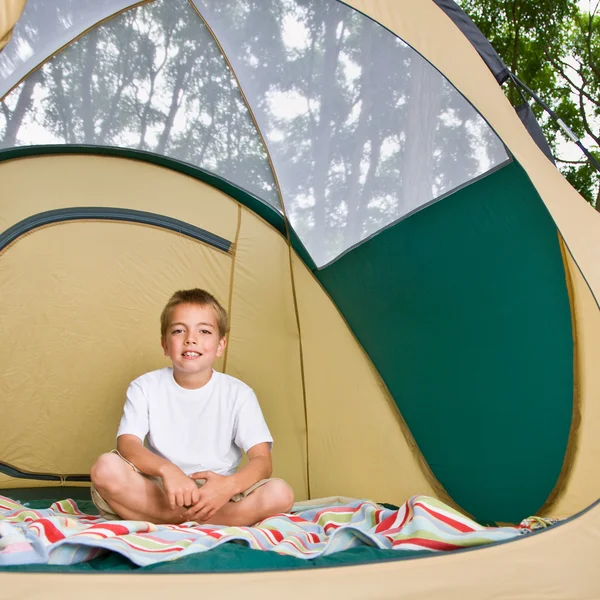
(198, 430)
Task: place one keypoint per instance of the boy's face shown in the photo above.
(192, 342)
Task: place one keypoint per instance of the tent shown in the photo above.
(412, 285)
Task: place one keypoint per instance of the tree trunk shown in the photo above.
(178, 86)
(354, 223)
(87, 87)
(23, 103)
(322, 137)
(423, 106)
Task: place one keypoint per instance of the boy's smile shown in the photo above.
(193, 343)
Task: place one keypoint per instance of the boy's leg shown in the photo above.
(131, 495)
(273, 497)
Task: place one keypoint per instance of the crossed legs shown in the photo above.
(136, 497)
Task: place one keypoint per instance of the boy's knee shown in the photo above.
(281, 494)
(106, 470)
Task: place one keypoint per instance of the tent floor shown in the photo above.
(226, 558)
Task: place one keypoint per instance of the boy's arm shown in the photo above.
(219, 489)
(181, 489)
(131, 447)
(259, 467)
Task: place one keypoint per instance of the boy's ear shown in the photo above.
(163, 344)
(222, 345)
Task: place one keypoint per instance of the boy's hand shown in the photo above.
(181, 489)
(213, 495)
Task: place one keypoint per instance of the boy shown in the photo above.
(195, 422)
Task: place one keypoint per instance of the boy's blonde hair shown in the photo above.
(194, 296)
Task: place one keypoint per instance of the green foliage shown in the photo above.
(584, 178)
(553, 47)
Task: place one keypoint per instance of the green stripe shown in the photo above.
(464, 310)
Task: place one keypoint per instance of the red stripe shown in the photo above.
(276, 534)
(50, 531)
(386, 523)
(295, 519)
(213, 533)
(456, 524)
(114, 528)
(433, 544)
(407, 514)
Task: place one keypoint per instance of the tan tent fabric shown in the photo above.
(263, 343)
(66, 181)
(559, 563)
(10, 11)
(357, 441)
(582, 477)
(94, 328)
(93, 294)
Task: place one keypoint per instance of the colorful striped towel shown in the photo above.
(63, 535)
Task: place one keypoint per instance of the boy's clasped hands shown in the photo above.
(200, 503)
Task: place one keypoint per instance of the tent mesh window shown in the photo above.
(150, 79)
(361, 128)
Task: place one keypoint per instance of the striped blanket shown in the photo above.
(63, 535)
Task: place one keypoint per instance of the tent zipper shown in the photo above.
(17, 473)
(87, 213)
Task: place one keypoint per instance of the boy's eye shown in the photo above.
(177, 331)
(205, 331)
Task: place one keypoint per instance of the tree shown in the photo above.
(580, 72)
(553, 47)
(151, 79)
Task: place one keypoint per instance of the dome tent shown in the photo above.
(412, 285)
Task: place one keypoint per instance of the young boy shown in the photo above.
(195, 422)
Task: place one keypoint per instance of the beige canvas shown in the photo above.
(80, 312)
(581, 473)
(69, 180)
(10, 11)
(263, 345)
(102, 274)
(358, 444)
